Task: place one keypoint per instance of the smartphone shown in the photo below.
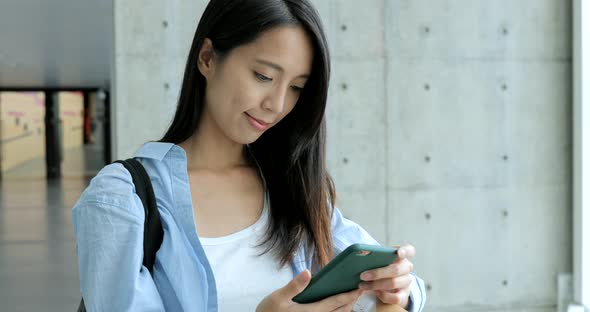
(342, 274)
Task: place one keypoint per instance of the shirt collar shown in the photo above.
(154, 150)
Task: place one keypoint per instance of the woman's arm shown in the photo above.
(108, 226)
(346, 232)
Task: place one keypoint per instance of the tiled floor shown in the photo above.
(38, 266)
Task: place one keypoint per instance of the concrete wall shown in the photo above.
(152, 40)
(449, 128)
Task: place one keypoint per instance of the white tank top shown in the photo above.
(243, 278)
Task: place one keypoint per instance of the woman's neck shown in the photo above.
(210, 149)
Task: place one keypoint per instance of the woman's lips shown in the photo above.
(257, 124)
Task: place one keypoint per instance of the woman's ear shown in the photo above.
(206, 61)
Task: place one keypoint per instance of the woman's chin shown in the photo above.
(247, 138)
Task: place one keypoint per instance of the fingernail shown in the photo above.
(401, 253)
(366, 276)
(303, 277)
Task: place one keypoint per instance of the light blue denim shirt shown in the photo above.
(108, 226)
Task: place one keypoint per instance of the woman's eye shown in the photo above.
(296, 88)
(262, 77)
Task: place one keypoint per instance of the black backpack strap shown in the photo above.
(153, 232)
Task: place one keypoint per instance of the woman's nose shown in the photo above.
(276, 101)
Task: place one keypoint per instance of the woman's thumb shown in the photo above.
(297, 285)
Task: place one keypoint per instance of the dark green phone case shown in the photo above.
(342, 274)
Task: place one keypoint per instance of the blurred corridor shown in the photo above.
(38, 270)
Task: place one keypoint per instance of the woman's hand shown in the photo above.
(282, 299)
(392, 283)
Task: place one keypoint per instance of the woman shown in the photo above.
(240, 179)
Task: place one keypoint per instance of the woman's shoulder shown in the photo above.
(111, 187)
(113, 179)
(114, 183)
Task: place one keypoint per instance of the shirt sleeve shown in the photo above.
(108, 227)
(417, 294)
(346, 232)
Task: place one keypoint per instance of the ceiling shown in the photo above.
(56, 43)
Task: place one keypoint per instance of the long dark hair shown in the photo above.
(291, 155)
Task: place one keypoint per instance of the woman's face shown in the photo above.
(256, 85)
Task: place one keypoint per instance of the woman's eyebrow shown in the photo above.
(277, 67)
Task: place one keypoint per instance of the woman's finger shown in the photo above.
(392, 297)
(346, 308)
(406, 251)
(334, 302)
(399, 282)
(395, 269)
